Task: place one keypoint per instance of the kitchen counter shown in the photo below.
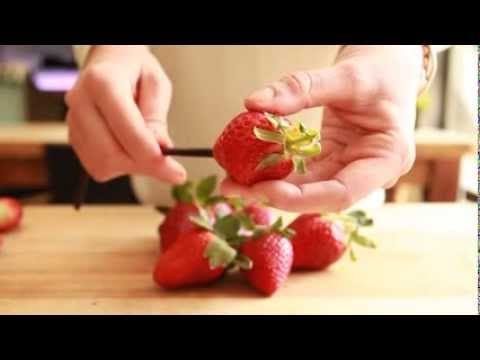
(100, 260)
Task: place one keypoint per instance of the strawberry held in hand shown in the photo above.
(257, 147)
(11, 214)
(320, 241)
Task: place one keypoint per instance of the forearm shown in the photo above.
(82, 52)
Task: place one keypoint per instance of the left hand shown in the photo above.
(367, 130)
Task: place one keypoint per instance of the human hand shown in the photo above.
(367, 129)
(117, 115)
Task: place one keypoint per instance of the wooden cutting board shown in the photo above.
(99, 261)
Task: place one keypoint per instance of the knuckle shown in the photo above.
(299, 82)
(100, 173)
(96, 77)
(346, 200)
(360, 82)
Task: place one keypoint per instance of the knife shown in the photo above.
(84, 180)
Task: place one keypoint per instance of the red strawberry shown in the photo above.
(176, 223)
(271, 257)
(321, 241)
(196, 258)
(256, 147)
(189, 199)
(260, 215)
(317, 243)
(11, 214)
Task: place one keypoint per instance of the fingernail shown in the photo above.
(265, 94)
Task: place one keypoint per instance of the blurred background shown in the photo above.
(38, 166)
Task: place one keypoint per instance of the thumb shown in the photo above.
(154, 96)
(306, 89)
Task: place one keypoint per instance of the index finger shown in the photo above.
(117, 105)
(347, 187)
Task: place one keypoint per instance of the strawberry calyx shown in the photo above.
(298, 142)
(352, 222)
(200, 193)
(230, 233)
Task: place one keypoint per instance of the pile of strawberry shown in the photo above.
(204, 237)
(11, 214)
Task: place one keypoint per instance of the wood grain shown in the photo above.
(99, 261)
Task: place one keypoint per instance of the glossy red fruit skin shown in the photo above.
(260, 215)
(184, 264)
(272, 257)
(176, 223)
(317, 243)
(239, 152)
(15, 211)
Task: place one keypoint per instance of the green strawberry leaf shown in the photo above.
(227, 226)
(299, 165)
(246, 221)
(183, 193)
(277, 225)
(268, 136)
(358, 214)
(308, 150)
(212, 200)
(288, 233)
(201, 222)
(362, 241)
(353, 257)
(236, 241)
(244, 262)
(284, 123)
(270, 160)
(259, 231)
(365, 222)
(302, 127)
(273, 120)
(205, 189)
(236, 203)
(219, 253)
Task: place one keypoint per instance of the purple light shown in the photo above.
(55, 80)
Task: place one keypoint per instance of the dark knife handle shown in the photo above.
(199, 152)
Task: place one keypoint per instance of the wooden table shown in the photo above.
(100, 261)
(22, 152)
(437, 166)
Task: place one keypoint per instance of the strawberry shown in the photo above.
(256, 147)
(320, 241)
(189, 199)
(11, 213)
(260, 215)
(196, 258)
(270, 254)
(176, 223)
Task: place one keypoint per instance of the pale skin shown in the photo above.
(369, 97)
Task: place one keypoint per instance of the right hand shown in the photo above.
(117, 115)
